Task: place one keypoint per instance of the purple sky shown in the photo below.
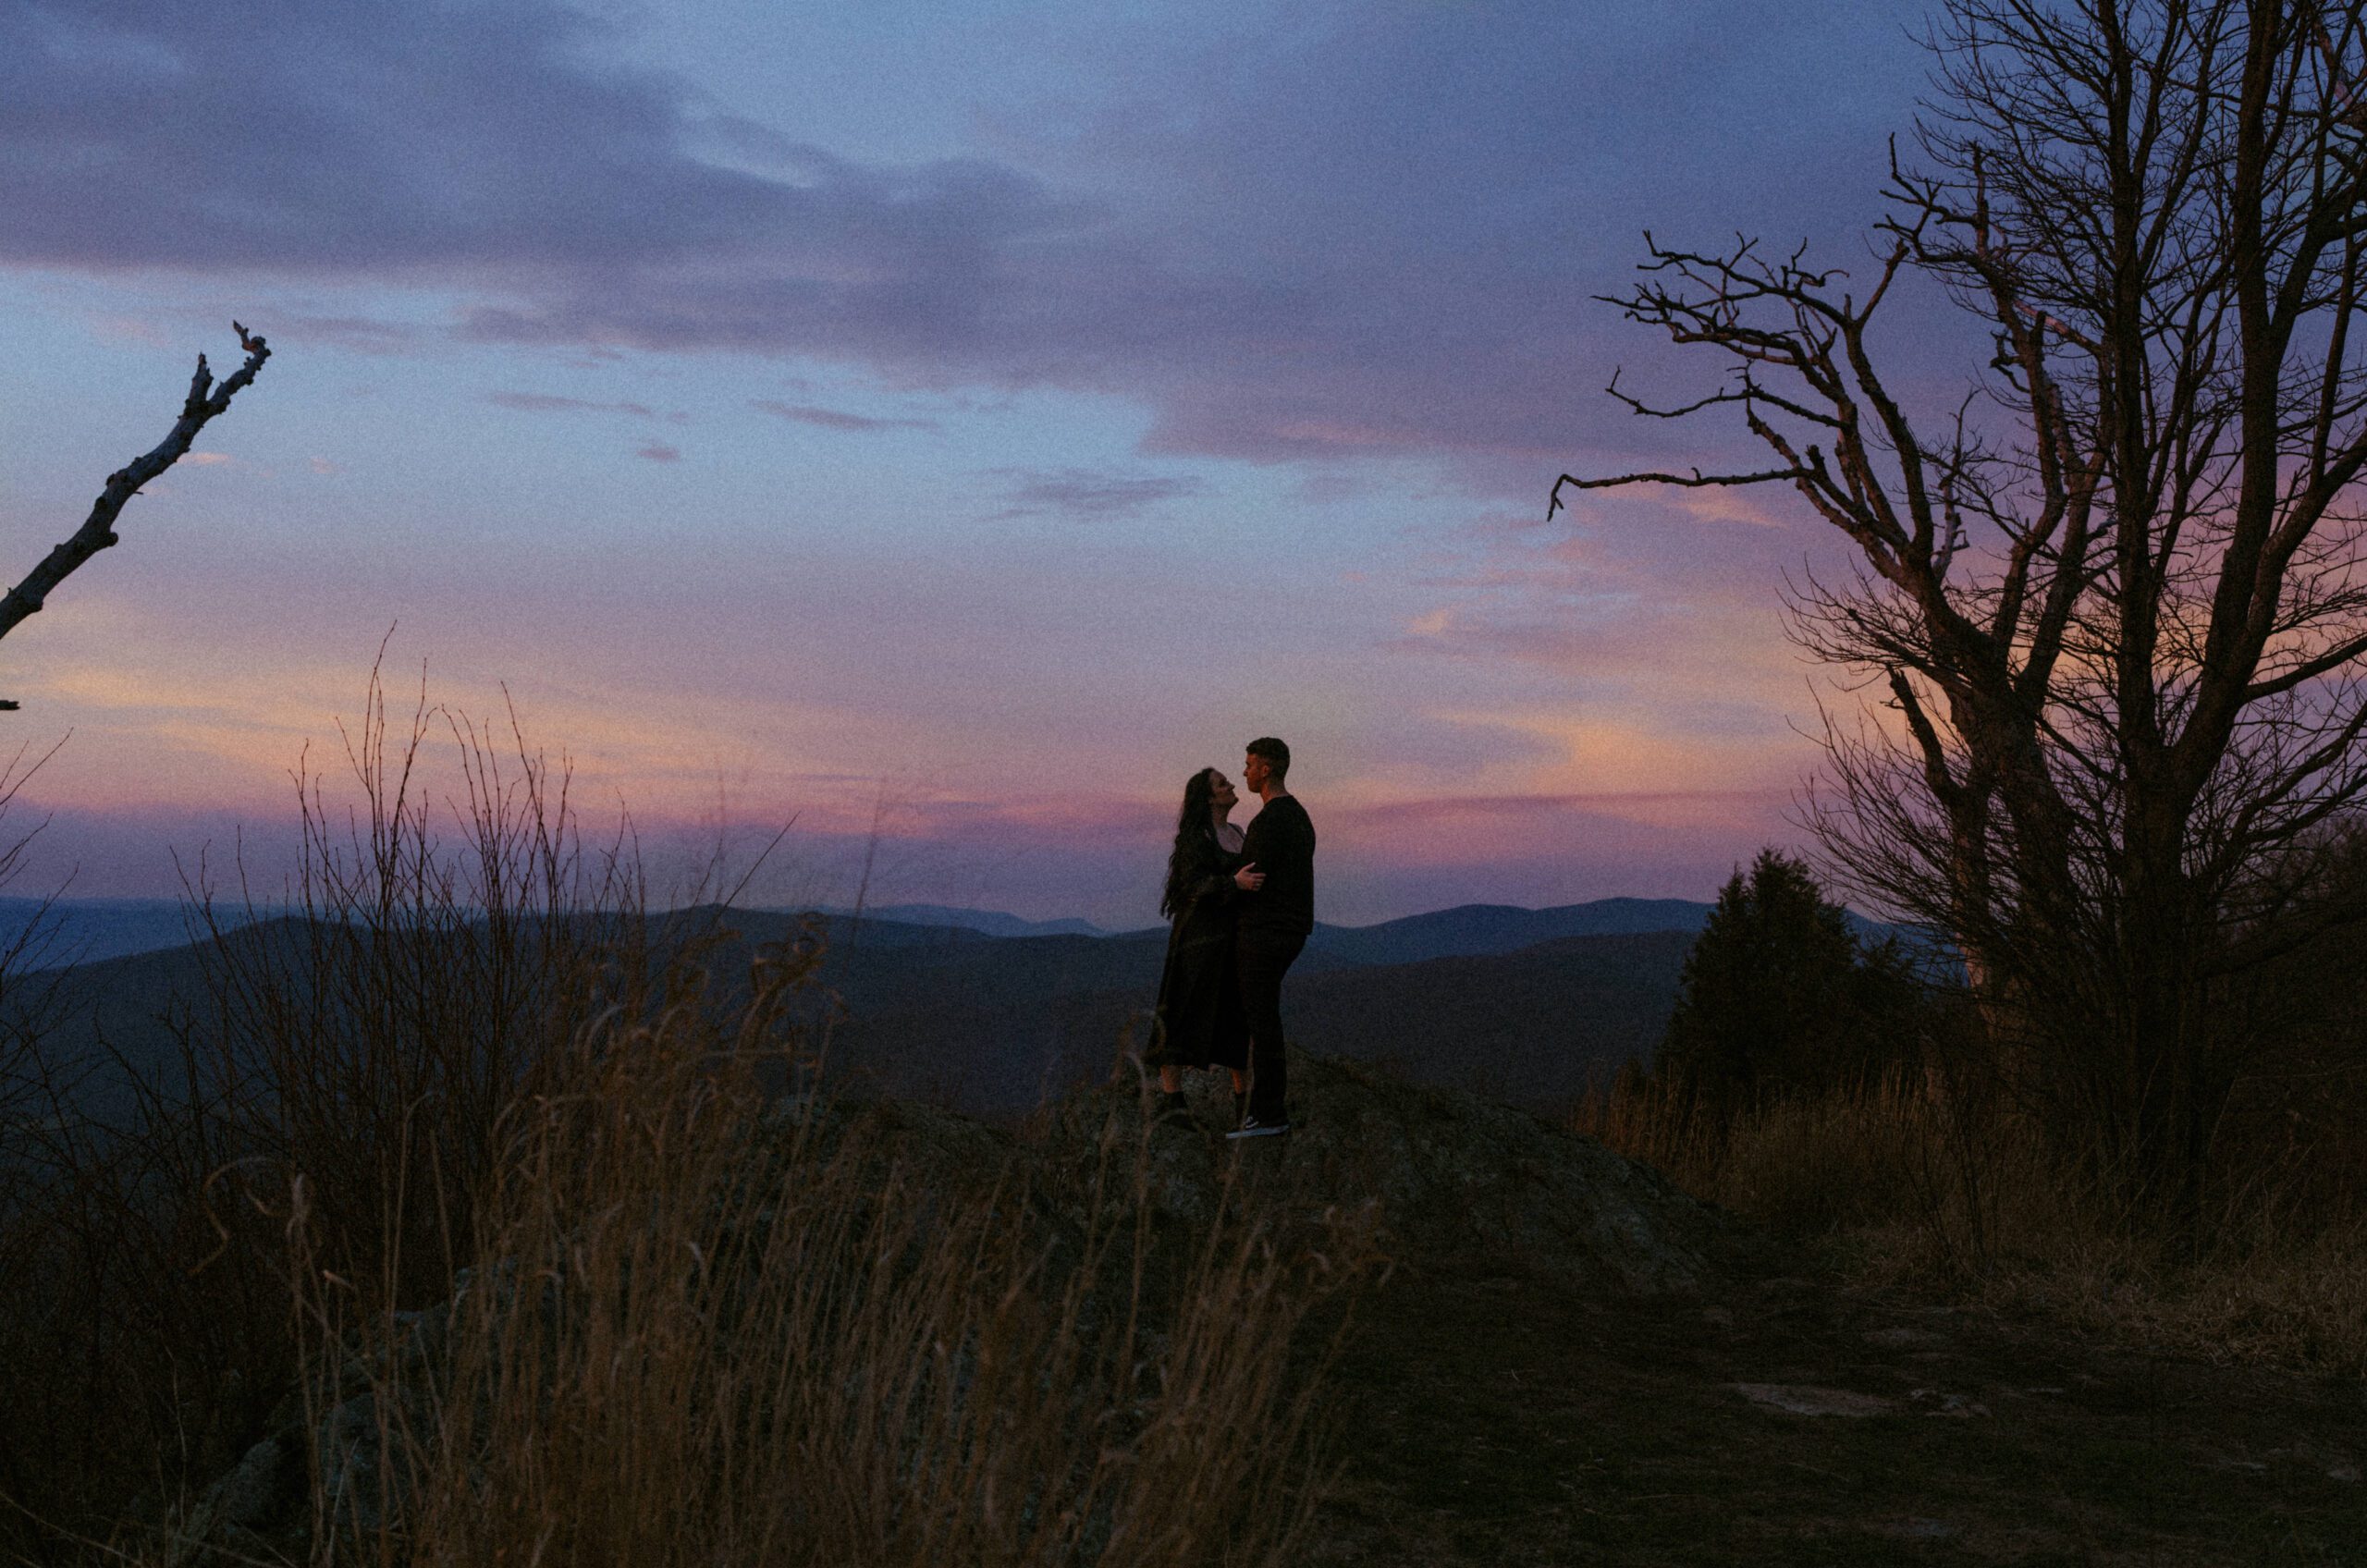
(961, 419)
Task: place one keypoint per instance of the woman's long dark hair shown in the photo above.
(1194, 855)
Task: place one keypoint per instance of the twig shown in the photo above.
(205, 401)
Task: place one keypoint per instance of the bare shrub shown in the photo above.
(370, 1030)
(367, 1030)
(701, 1328)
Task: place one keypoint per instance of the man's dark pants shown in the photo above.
(1261, 958)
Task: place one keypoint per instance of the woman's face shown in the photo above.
(1220, 794)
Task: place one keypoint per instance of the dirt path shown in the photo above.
(1493, 1422)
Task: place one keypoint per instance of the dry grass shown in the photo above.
(684, 1325)
(370, 1043)
(698, 1332)
(1953, 1198)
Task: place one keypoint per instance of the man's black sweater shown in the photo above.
(1281, 842)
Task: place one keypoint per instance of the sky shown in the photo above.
(937, 428)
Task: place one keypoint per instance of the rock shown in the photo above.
(362, 1444)
(1453, 1179)
(242, 1517)
(2335, 1464)
(1903, 1338)
(1938, 1404)
(261, 1489)
(1800, 1399)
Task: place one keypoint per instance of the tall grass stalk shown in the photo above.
(366, 1030)
(701, 1331)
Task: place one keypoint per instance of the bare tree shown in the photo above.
(2106, 608)
(204, 403)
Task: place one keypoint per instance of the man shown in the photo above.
(1277, 883)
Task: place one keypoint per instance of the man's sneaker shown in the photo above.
(1251, 1127)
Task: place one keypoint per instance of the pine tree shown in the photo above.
(1780, 995)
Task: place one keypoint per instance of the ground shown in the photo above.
(1503, 1420)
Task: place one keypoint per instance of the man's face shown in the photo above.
(1252, 772)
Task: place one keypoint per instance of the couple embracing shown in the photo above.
(1243, 906)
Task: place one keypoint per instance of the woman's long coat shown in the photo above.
(1199, 1021)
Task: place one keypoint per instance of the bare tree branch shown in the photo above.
(2112, 600)
(205, 402)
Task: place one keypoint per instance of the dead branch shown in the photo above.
(205, 402)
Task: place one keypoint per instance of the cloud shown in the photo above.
(1322, 488)
(363, 140)
(834, 418)
(658, 452)
(1084, 495)
(1359, 229)
(1092, 863)
(1509, 813)
(132, 329)
(354, 334)
(543, 403)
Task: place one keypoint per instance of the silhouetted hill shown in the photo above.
(986, 921)
(92, 930)
(1466, 931)
(993, 1024)
(111, 1017)
(1470, 930)
(79, 931)
(64, 931)
(1530, 1027)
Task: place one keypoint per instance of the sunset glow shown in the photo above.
(942, 428)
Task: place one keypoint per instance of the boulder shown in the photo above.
(1451, 1180)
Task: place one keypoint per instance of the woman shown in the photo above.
(1199, 1021)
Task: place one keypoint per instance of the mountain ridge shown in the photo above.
(66, 930)
(994, 1025)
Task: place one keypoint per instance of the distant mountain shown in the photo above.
(1532, 1027)
(986, 922)
(995, 1024)
(88, 930)
(992, 1013)
(81, 931)
(64, 931)
(1466, 931)
(109, 1016)
(1472, 930)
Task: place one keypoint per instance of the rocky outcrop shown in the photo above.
(1437, 1178)
(357, 1422)
(1453, 1179)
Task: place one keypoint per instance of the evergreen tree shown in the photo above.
(1780, 995)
